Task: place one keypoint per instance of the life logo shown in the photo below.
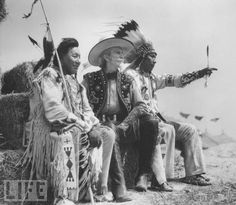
(25, 190)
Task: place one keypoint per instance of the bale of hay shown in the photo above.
(18, 79)
(14, 111)
(9, 170)
(3, 12)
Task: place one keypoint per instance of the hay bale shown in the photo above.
(9, 170)
(18, 79)
(14, 111)
(3, 12)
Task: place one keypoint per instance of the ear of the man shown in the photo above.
(106, 57)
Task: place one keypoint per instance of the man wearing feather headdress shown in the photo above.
(114, 98)
(62, 139)
(183, 136)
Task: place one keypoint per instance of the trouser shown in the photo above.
(189, 143)
(118, 186)
(140, 125)
(167, 133)
(148, 137)
(164, 168)
(158, 166)
(108, 141)
(116, 173)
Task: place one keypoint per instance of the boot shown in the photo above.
(118, 187)
(160, 187)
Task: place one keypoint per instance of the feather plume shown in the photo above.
(130, 31)
(31, 10)
(48, 50)
(34, 42)
(47, 47)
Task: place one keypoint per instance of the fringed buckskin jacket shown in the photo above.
(149, 84)
(47, 152)
(96, 85)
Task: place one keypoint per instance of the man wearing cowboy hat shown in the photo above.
(113, 97)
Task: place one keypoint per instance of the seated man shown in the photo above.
(185, 135)
(64, 129)
(114, 97)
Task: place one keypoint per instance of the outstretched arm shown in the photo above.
(180, 80)
(189, 77)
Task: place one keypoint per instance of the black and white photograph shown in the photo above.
(126, 102)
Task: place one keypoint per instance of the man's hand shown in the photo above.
(95, 138)
(72, 118)
(206, 71)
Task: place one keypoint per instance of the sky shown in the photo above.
(179, 29)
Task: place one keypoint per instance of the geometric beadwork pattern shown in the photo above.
(69, 160)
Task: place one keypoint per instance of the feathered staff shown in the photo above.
(207, 51)
(51, 45)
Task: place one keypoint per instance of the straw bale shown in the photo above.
(14, 111)
(3, 12)
(9, 170)
(18, 79)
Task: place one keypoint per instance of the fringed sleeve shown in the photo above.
(52, 96)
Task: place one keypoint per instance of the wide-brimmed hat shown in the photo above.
(95, 53)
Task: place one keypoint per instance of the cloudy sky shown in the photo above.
(179, 29)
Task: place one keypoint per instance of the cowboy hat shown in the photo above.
(96, 52)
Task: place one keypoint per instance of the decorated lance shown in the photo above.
(59, 61)
(206, 83)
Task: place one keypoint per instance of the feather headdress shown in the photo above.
(130, 31)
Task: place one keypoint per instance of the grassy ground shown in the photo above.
(221, 169)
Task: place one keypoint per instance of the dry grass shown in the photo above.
(3, 12)
(18, 79)
(14, 111)
(9, 170)
(14, 103)
(220, 192)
